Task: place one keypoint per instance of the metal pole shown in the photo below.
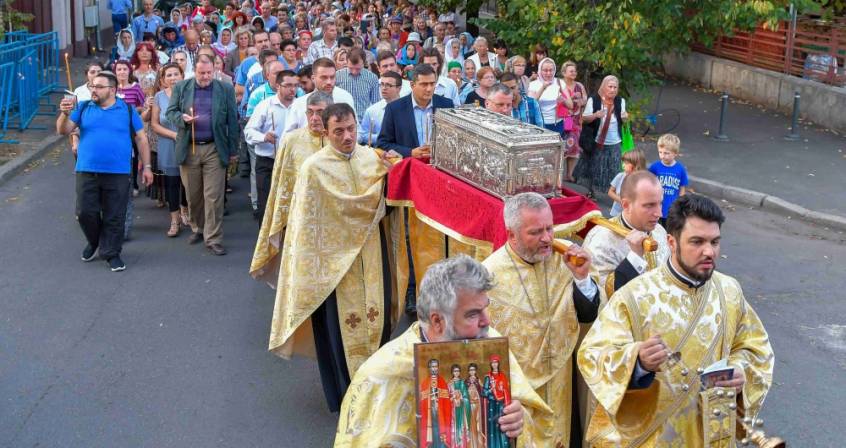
(794, 122)
(721, 135)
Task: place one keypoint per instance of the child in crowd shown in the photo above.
(671, 174)
(633, 160)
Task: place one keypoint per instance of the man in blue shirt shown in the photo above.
(147, 22)
(121, 11)
(524, 108)
(107, 127)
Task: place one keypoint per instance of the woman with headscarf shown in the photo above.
(467, 41)
(603, 117)
(124, 49)
(257, 24)
(408, 57)
(452, 52)
(546, 89)
(224, 43)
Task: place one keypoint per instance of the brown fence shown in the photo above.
(808, 48)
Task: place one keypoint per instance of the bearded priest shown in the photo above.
(643, 357)
(452, 305)
(539, 300)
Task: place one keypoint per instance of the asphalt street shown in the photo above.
(173, 351)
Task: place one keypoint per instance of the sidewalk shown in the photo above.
(809, 172)
(41, 136)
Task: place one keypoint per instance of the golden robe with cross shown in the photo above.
(542, 328)
(608, 250)
(295, 147)
(704, 324)
(378, 410)
(332, 243)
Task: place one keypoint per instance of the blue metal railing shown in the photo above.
(35, 75)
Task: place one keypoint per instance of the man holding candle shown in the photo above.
(203, 110)
(265, 126)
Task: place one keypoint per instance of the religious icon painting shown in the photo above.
(462, 388)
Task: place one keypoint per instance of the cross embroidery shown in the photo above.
(353, 320)
(372, 314)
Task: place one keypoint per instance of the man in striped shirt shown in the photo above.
(362, 84)
(325, 47)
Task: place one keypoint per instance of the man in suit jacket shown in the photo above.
(204, 113)
(407, 124)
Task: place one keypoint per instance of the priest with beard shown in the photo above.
(453, 305)
(334, 284)
(684, 308)
(539, 300)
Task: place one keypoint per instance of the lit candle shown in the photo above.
(67, 72)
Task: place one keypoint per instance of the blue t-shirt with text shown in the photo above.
(672, 178)
(105, 145)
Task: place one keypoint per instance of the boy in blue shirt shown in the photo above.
(671, 173)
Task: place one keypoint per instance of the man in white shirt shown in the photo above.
(481, 47)
(445, 86)
(264, 127)
(323, 75)
(387, 62)
(371, 122)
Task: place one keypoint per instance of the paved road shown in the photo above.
(172, 352)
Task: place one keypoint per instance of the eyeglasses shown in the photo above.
(387, 84)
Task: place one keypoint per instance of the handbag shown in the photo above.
(561, 110)
(628, 140)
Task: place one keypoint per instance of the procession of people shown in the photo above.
(323, 106)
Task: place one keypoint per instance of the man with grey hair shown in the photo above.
(539, 300)
(452, 305)
(293, 149)
(499, 100)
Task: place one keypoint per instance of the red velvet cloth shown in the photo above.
(464, 208)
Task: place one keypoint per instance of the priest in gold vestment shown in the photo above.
(538, 302)
(295, 147)
(334, 279)
(619, 259)
(684, 308)
(378, 410)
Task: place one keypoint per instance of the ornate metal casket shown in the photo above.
(496, 153)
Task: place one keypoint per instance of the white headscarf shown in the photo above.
(122, 51)
(551, 92)
(448, 55)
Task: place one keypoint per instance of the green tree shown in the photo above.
(470, 8)
(627, 37)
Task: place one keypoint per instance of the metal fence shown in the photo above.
(29, 72)
(809, 48)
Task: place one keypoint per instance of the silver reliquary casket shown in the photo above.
(497, 153)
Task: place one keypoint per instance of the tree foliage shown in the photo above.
(626, 37)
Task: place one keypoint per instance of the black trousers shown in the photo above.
(172, 187)
(264, 174)
(101, 208)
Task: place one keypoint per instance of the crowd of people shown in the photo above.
(285, 94)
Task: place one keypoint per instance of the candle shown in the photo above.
(370, 134)
(193, 144)
(67, 72)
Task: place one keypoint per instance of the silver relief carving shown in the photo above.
(497, 153)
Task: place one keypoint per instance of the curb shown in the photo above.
(767, 202)
(18, 164)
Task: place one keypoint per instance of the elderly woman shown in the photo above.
(517, 66)
(224, 43)
(452, 52)
(604, 114)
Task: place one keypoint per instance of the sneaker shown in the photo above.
(116, 264)
(88, 253)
